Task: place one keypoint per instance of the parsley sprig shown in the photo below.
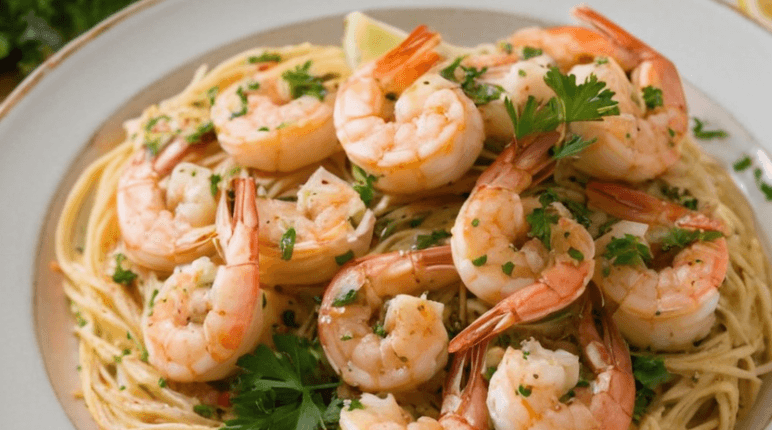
(121, 275)
(283, 390)
(364, 184)
(679, 238)
(627, 250)
(588, 101)
(481, 93)
(649, 372)
(301, 83)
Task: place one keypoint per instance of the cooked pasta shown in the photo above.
(715, 381)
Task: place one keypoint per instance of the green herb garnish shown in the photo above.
(287, 244)
(265, 57)
(344, 258)
(742, 164)
(214, 182)
(530, 52)
(424, 241)
(701, 133)
(628, 250)
(652, 97)
(301, 83)
(364, 184)
(121, 275)
(348, 298)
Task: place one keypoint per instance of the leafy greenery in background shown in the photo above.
(32, 30)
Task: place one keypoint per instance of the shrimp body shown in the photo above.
(413, 130)
(492, 224)
(670, 305)
(645, 139)
(263, 124)
(384, 357)
(205, 317)
(329, 220)
(162, 230)
(526, 388)
(461, 409)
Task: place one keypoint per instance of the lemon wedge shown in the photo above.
(366, 38)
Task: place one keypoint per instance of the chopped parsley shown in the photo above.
(355, 404)
(481, 93)
(364, 184)
(579, 211)
(424, 241)
(204, 132)
(301, 83)
(506, 47)
(524, 391)
(540, 222)
(253, 85)
(344, 258)
(701, 133)
(284, 389)
(475, 222)
(628, 250)
(211, 93)
(479, 261)
(652, 97)
(649, 372)
(489, 373)
(287, 244)
(244, 103)
(162, 382)
(530, 52)
(155, 120)
(742, 164)
(507, 268)
(265, 57)
(214, 182)
(122, 276)
(348, 298)
(379, 330)
(682, 197)
(678, 238)
(576, 254)
(587, 101)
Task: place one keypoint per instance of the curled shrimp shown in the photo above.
(385, 357)
(411, 128)
(328, 222)
(644, 140)
(205, 317)
(526, 389)
(162, 230)
(670, 304)
(267, 123)
(491, 246)
(461, 409)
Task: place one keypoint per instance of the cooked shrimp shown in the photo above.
(328, 221)
(526, 389)
(645, 139)
(670, 304)
(270, 120)
(491, 246)
(461, 410)
(386, 357)
(518, 79)
(205, 317)
(162, 232)
(411, 128)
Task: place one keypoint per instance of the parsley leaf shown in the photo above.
(424, 241)
(204, 132)
(344, 258)
(287, 244)
(530, 52)
(588, 101)
(652, 97)
(572, 146)
(301, 83)
(265, 57)
(649, 372)
(678, 238)
(481, 93)
(628, 250)
(348, 298)
(682, 197)
(121, 275)
(699, 133)
(283, 389)
(742, 164)
(540, 222)
(364, 184)
(214, 182)
(244, 103)
(579, 211)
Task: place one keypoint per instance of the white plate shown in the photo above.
(82, 95)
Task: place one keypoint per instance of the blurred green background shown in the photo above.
(32, 30)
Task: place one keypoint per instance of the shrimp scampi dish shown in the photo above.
(518, 235)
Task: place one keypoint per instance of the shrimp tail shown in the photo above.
(465, 409)
(552, 293)
(633, 205)
(613, 403)
(403, 65)
(517, 168)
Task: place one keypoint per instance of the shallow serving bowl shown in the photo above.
(71, 109)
